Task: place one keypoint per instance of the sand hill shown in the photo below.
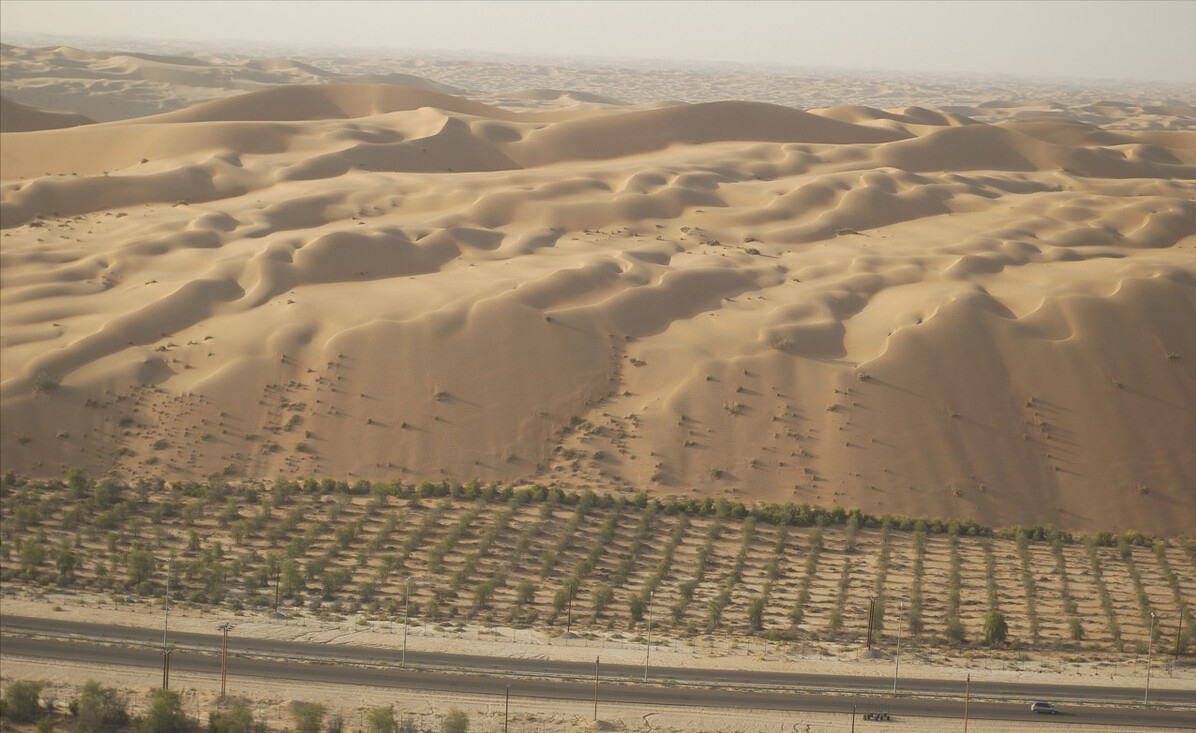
(966, 312)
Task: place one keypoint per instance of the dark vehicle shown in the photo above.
(1043, 707)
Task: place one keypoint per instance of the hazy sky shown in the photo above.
(1092, 39)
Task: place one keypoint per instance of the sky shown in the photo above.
(1093, 39)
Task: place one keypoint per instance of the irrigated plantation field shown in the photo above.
(539, 557)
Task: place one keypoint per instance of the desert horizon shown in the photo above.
(981, 311)
(652, 366)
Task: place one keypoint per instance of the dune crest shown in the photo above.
(967, 313)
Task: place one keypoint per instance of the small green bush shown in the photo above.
(455, 721)
(995, 628)
(22, 702)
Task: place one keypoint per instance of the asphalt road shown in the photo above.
(337, 664)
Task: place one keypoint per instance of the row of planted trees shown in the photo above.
(297, 540)
(97, 708)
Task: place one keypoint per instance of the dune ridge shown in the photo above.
(912, 310)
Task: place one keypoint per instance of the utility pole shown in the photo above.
(871, 613)
(277, 577)
(406, 607)
(506, 711)
(967, 696)
(596, 687)
(853, 717)
(897, 665)
(165, 628)
(1149, 655)
(648, 646)
(223, 658)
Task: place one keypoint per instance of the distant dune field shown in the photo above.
(980, 312)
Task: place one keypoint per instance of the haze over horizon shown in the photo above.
(1144, 41)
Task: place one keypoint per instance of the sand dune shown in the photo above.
(17, 117)
(974, 311)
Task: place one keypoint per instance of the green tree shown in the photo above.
(309, 716)
(165, 714)
(22, 702)
(455, 721)
(100, 707)
(140, 566)
(237, 719)
(637, 606)
(291, 580)
(601, 597)
(756, 613)
(66, 564)
(995, 628)
(381, 720)
(33, 556)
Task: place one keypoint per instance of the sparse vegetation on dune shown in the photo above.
(464, 551)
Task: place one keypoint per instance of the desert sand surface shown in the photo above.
(618, 280)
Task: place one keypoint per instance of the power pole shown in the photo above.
(596, 688)
(506, 711)
(277, 577)
(569, 617)
(223, 658)
(165, 628)
(406, 607)
(967, 696)
(853, 717)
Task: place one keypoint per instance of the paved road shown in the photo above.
(613, 688)
(584, 670)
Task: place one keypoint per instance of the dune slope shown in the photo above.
(906, 310)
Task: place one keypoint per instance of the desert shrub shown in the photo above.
(381, 720)
(100, 707)
(33, 556)
(237, 719)
(44, 383)
(995, 628)
(636, 607)
(601, 597)
(756, 613)
(1075, 628)
(140, 566)
(309, 716)
(22, 702)
(165, 714)
(851, 531)
(955, 632)
(455, 721)
(333, 580)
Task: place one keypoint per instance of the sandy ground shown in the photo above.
(528, 714)
(981, 310)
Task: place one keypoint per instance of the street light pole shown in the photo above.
(1149, 656)
(897, 665)
(406, 607)
(648, 646)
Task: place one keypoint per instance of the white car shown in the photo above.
(1043, 707)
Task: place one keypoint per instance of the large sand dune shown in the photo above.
(973, 312)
